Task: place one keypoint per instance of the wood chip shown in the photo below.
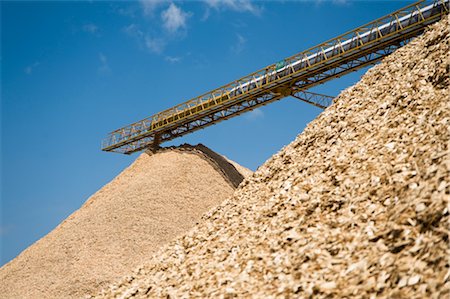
(157, 198)
(359, 212)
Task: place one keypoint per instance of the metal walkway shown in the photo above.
(291, 77)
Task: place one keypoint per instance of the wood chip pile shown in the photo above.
(357, 206)
(157, 198)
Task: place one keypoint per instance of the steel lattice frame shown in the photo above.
(316, 99)
(224, 102)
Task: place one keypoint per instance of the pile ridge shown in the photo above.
(231, 171)
(357, 206)
(160, 196)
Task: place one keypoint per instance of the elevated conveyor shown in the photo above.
(291, 77)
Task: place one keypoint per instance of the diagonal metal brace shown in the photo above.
(319, 100)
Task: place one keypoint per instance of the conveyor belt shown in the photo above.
(293, 76)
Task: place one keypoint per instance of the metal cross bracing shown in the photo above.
(293, 76)
(215, 116)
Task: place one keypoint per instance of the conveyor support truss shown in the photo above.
(291, 77)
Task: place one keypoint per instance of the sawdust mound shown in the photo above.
(356, 206)
(158, 197)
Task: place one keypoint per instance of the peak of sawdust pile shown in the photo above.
(356, 206)
(158, 197)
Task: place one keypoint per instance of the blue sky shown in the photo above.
(73, 71)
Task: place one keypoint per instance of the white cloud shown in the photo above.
(129, 11)
(174, 18)
(239, 24)
(240, 44)
(155, 45)
(335, 2)
(133, 31)
(104, 65)
(149, 6)
(255, 114)
(136, 33)
(173, 59)
(236, 5)
(340, 2)
(91, 28)
(206, 14)
(169, 27)
(29, 69)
